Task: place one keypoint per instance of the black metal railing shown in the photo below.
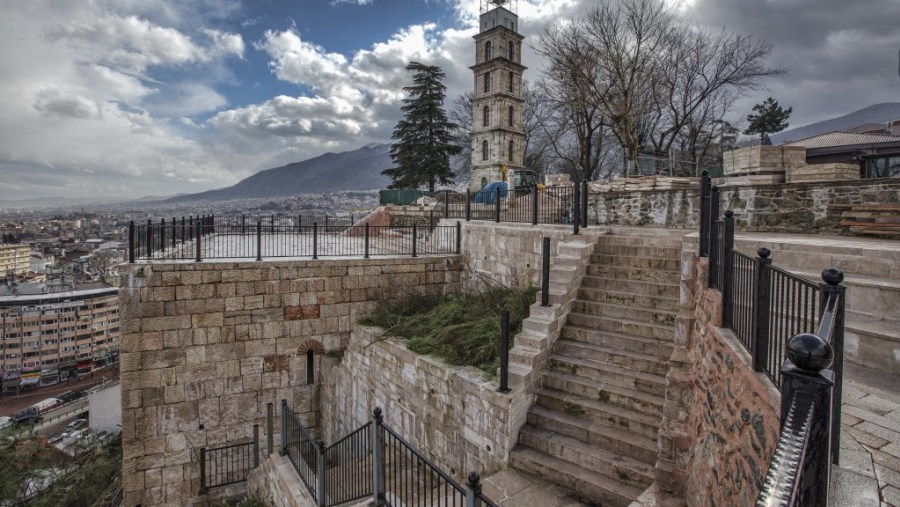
(800, 471)
(372, 461)
(550, 205)
(300, 448)
(348, 467)
(212, 238)
(228, 464)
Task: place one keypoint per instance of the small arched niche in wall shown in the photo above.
(310, 348)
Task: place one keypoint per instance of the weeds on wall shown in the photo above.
(462, 329)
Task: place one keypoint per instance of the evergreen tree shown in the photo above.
(423, 139)
(769, 118)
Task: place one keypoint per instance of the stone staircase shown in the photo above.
(593, 427)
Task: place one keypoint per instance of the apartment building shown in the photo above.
(15, 259)
(52, 331)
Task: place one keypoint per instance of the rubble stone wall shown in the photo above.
(720, 419)
(206, 346)
(814, 207)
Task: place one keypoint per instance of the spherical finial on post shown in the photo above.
(809, 352)
(764, 252)
(474, 481)
(378, 414)
(705, 172)
(833, 276)
(729, 214)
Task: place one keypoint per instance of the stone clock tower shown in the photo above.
(498, 140)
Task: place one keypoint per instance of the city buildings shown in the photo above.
(52, 331)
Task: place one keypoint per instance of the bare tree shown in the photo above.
(649, 74)
(460, 113)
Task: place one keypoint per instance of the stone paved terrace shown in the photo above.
(870, 438)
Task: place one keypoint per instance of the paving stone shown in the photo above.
(859, 462)
(886, 476)
(877, 405)
(853, 490)
(891, 496)
(869, 417)
(866, 438)
(850, 420)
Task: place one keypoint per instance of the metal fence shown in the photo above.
(210, 238)
(373, 461)
(793, 329)
(228, 464)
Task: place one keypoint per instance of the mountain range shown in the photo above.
(350, 170)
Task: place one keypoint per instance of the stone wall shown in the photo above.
(453, 415)
(720, 418)
(206, 346)
(813, 207)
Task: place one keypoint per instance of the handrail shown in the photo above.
(425, 461)
(780, 486)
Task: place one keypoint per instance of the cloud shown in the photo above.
(355, 2)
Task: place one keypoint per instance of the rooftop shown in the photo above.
(843, 138)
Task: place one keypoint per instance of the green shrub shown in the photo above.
(463, 329)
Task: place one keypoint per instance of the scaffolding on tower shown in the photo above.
(510, 5)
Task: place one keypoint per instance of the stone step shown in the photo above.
(672, 252)
(636, 261)
(611, 355)
(872, 342)
(610, 373)
(646, 346)
(629, 273)
(631, 286)
(593, 458)
(594, 488)
(615, 311)
(656, 241)
(611, 438)
(650, 301)
(645, 403)
(598, 411)
(622, 326)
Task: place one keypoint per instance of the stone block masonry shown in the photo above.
(206, 346)
(453, 415)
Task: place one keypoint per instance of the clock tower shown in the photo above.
(498, 140)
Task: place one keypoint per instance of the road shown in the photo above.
(10, 404)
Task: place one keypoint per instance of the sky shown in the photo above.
(129, 98)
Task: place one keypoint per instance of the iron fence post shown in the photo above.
(833, 290)
(255, 446)
(199, 232)
(243, 223)
(377, 457)
(576, 208)
(270, 427)
(259, 240)
(321, 474)
(315, 240)
(183, 231)
(504, 352)
(584, 204)
(326, 223)
(284, 449)
(497, 205)
(174, 234)
(149, 239)
(545, 272)
(534, 206)
(415, 235)
(458, 237)
(806, 375)
(202, 471)
(728, 271)
(473, 490)
(131, 242)
(761, 320)
(446, 204)
(366, 244)
(468, 205)
(714, 233)
(704, 213)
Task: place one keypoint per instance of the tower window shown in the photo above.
(510, 83)
(510, 150)
(510, 51)
(310, 368)
(487, 50)
(485, 116)
(487, 82)
(510, 116)
(484, 150)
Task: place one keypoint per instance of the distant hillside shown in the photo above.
(877, 113)
(350, 170)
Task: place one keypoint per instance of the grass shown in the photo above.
(462, 329)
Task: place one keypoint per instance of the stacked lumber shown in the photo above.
(822, 172)
(872, 219)
(644, 183)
